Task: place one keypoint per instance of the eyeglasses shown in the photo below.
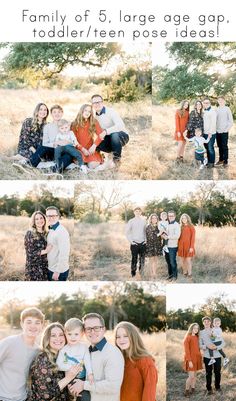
(100, 101)
(96, 329)
(51, 216)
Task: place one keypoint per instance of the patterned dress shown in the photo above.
(29, 138)
(195, 121)
(36, 268)
(44, 381)
(153, 247)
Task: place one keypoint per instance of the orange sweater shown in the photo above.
(140, 380)
(86, 141)
(192, 353)
(181, 124)
(186, 241)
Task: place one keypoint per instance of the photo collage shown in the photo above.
(118, 221)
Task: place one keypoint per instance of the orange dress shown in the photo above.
(181, 124)
(192, 353)
(140, 380)
(86, 141)
(186, 241)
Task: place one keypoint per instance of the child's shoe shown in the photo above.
(212, 361)
(201, 167)
(165, 249)
(205, 161)
(83, 169)
(226, 361)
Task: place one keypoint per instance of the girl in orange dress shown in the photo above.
(192, 357)
(89, 134)
(181, 121)
(140, 375)
(186, 244)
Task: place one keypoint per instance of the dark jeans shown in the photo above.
(171, 262)
(210, 148)
(70, 150)
(217, 372)
(199, 157)
(138, 252)
(114, 143)
(211, 351)
(62, 276)
(222, 143)
(48, 153)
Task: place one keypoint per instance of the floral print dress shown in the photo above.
(36, 268)
(29, 138)
(44, 378)
(153, 247)
(195, 121)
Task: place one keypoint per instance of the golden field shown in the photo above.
(16, 105)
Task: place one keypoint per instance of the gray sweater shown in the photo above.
(58, 257)
(224, 119)
(108, 370)
(111, 121)
(136, 230)
(15, 360)
(205, 341)
(50, 132)
(209, 119)
(173, 232)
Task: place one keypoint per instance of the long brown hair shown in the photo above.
(33, 225)
(182, 110)
(137, 348)
(35, 123)
(79, 121)
(150, 218)
(45, 346)
(195, 107)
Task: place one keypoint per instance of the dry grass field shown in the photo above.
(176, 377)
(164, 152)
(155, 343)
(12, 252)
(102, 253)
(16, 105)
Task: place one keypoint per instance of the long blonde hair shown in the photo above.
(137, 348)
(35, 123)
(189, 221)
(150, 218)
(182, 110)
(190, 330)
(79, 121)
(45, 342)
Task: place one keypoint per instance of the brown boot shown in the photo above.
(187, 393)
(192, 390)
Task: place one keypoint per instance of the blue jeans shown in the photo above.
(48, 153)
(62, 276)
(222, 143)
(114, 143)
(69, 150)
(210, 148)
(171, 262)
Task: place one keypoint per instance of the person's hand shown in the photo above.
(178, 134)
(85, 151)
(32, 149)
(190, 364)
(190, 250)
(102, 135)
(76, 388)
(211, 346)
(209, 135)
(73, 371)
(55, 276)
(92, 149)
(91, 378)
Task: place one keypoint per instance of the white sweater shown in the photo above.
(209, 119)
(50, 132)
(111, 121)
(173, 233)
(224, 119)
(58, 257)
(108, 370)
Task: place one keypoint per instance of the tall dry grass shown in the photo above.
(12, 252)
(176, 376)
(164, 151)
(155, 344)
(102, 253)
(16, 105)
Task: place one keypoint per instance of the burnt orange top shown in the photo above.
(181, 124)
(86, 141)
(186, 241)
(140, 380)
(192, 353)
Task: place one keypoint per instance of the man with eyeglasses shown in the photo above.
(107, 363)
(114, 135)
(58, 237)
(173, 234)
(209, 123)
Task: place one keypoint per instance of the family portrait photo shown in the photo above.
(201, 358)
(80, 111)
(37, 226)
(83, 342)
(194, 111)
(154, 231)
